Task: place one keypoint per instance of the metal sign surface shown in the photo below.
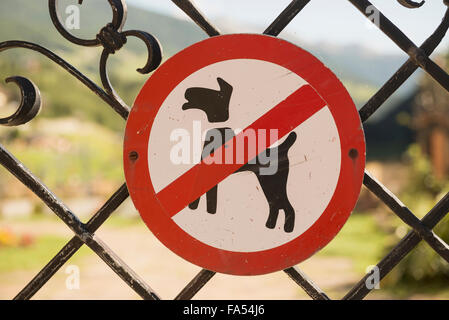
(244, 154)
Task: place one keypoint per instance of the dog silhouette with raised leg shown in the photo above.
(215, 103)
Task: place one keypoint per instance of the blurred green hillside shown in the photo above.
(30, 20)
(360, 71)
(62, 94)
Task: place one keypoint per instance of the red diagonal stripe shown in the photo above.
(286, 116)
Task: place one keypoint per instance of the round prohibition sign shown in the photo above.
(230, 217)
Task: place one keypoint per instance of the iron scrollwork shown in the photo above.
(414, 5)
(411, 4)
(30, 104)
(111, 37)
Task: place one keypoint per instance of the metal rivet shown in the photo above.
(133, 156)
(353, 153)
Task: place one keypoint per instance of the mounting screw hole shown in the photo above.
(353, 153)
(133, 156)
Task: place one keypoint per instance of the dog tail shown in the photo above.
(286, 145)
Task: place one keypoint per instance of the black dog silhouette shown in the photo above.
(216, 106)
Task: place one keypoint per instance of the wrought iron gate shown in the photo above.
(112, 38)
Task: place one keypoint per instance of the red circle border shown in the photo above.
(244, 46)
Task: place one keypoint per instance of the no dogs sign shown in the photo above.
(244, 154)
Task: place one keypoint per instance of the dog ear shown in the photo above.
(225, 88)
(215, 103)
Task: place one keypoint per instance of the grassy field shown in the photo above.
(359, 244)
(360, 240)
(70, 156)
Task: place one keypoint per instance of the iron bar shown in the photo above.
(16, 168)
(195, 14)
(410, 241)
(286, 17)
(194, 286)
(73, 245)
(406, 70)
(406, 215)
(307, 284)
(402, 41)
(122, 110)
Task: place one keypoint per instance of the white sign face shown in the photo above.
(242, 209)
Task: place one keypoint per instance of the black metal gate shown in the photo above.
(112, 38)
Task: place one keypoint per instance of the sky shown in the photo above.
(334, 22)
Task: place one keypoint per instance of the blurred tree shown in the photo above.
(429, 169)
(431, 121)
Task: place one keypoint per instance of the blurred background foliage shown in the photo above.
(423, 267)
